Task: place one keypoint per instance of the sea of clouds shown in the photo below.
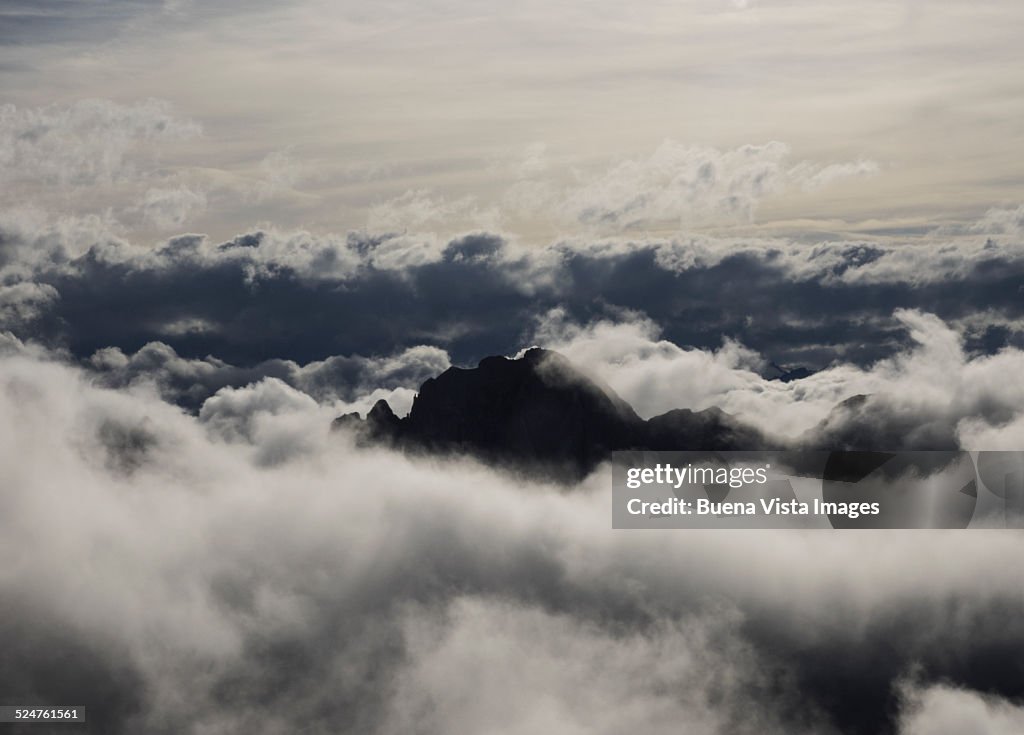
(245, 570)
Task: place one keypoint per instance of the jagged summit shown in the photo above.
(541, 414)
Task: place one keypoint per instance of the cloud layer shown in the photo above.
(276, 587)
(929, 395)
(305, 297)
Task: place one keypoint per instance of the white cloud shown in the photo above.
(653, 375)
(84, 144)
(340, 383)
(933, 380)
(532, 671)
(999, 221)
(23, 302)
(813, 177)
(279, 422)
(681, 185)
(689, 184)
(168, 208)
(394, 591)
(945, 710)
(678, 185)
(279, 173)
(421, 210)
(37, 242)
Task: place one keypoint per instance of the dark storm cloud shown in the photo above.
(307, 301)
(300, 297)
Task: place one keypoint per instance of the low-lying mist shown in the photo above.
(245, 570)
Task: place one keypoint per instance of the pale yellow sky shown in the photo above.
(537, 118)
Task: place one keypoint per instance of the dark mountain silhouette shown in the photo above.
(788, 375)
(712, 428)
(541, 415)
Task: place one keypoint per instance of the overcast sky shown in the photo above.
(534, 117)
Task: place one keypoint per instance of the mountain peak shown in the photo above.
(542, 415)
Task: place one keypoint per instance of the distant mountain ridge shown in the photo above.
(542, 415)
